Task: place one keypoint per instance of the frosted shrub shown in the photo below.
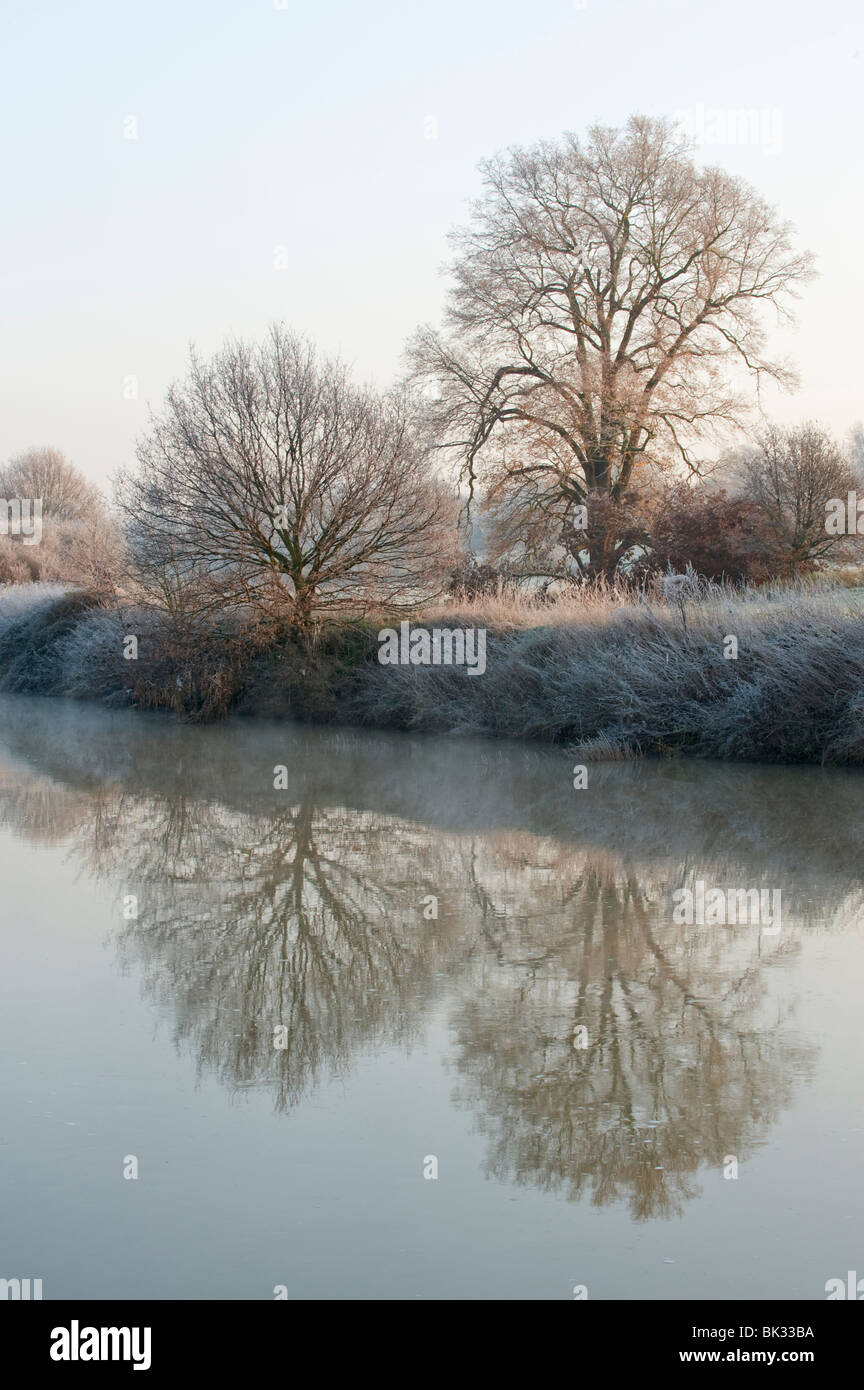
(17, 601)
(90, 656)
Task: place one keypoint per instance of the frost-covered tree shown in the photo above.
(608, 299)
(274, 479)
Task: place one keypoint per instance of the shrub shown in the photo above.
(723, 538)
(472, 577)
(32, 630)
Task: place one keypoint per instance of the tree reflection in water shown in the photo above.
(305, 909)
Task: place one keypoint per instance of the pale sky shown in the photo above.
(300, 133)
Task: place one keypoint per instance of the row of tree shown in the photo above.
(381, 530)
(604, 325)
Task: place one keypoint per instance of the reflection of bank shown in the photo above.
(304, 910)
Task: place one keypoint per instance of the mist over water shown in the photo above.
(472, 961)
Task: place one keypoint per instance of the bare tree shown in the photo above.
(81, 544)
(605, 292)
(276, 481)
(47, 474)
(792, 474)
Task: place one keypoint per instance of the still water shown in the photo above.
(477, 973)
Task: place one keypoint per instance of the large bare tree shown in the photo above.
(271, 478)
(605, 312)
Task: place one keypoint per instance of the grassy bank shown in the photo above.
(609, 676)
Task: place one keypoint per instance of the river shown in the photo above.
(314, 1013)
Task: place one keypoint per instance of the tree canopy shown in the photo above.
(607, 296)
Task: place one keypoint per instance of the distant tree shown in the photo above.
(856, 450)
(602, 292)
(89, 554)
(80, 542)
(47, 474)
(272, 479)
(792, 474)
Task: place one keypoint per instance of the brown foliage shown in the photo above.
(721, 537)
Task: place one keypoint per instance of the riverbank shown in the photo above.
(769, 676)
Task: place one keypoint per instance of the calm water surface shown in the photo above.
(411, 1037)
